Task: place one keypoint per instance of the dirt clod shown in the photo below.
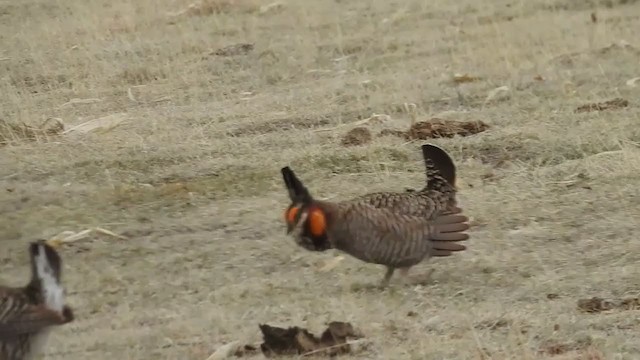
(298, 341)
(357, 136)
(613, 104)
(598, 304)
(438, 128)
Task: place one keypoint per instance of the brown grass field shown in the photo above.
(192, 176)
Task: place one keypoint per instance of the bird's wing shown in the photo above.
(387, 237)
(18, 316)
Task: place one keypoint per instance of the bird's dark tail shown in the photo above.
(439, 167)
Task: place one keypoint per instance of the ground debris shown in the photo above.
(393, 132)
(14, 131)
(597, 304)
(498, 94)
(493, 324)
(299, 341)
(633, 82)
(613, 104)
(99, 125)
(578, 349)
(357, 136)
(272, 7)
(438, 128)
(77, 101)
(233, 349)
(66, 237)
(209, 7)
(465, 78)
(234, 50)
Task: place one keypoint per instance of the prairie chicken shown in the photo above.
(372, 234)
(438, 196)
(28, 313)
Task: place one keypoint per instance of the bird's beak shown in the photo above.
(289, 228)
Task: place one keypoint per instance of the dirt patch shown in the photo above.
(438, 128)
(356, 136)
(617, 103)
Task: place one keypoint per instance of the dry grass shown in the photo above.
(192, 177)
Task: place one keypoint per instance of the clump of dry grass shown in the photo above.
(15, 132)
(613, 104)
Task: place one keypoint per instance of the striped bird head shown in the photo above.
(306, 220)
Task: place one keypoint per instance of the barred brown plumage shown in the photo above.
(438, 195)
(378, 235)
(28, 313)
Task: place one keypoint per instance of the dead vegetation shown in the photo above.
(581, 349)
(299, 341)
(613, 104)
(597, 304)
(465, 78)
(211, 7)
(234, 50)
(438, 128)
(160, 177)
(16, 132)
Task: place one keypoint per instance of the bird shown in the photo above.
(438, 195)
(28, 314)
(371, 234)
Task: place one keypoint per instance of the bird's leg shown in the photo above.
(387, 277)
(404, 272)
(422, 279)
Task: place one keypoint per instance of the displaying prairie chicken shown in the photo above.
(28, 314)
(372, 234)
(438, 196)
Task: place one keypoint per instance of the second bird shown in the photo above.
(29, 313)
